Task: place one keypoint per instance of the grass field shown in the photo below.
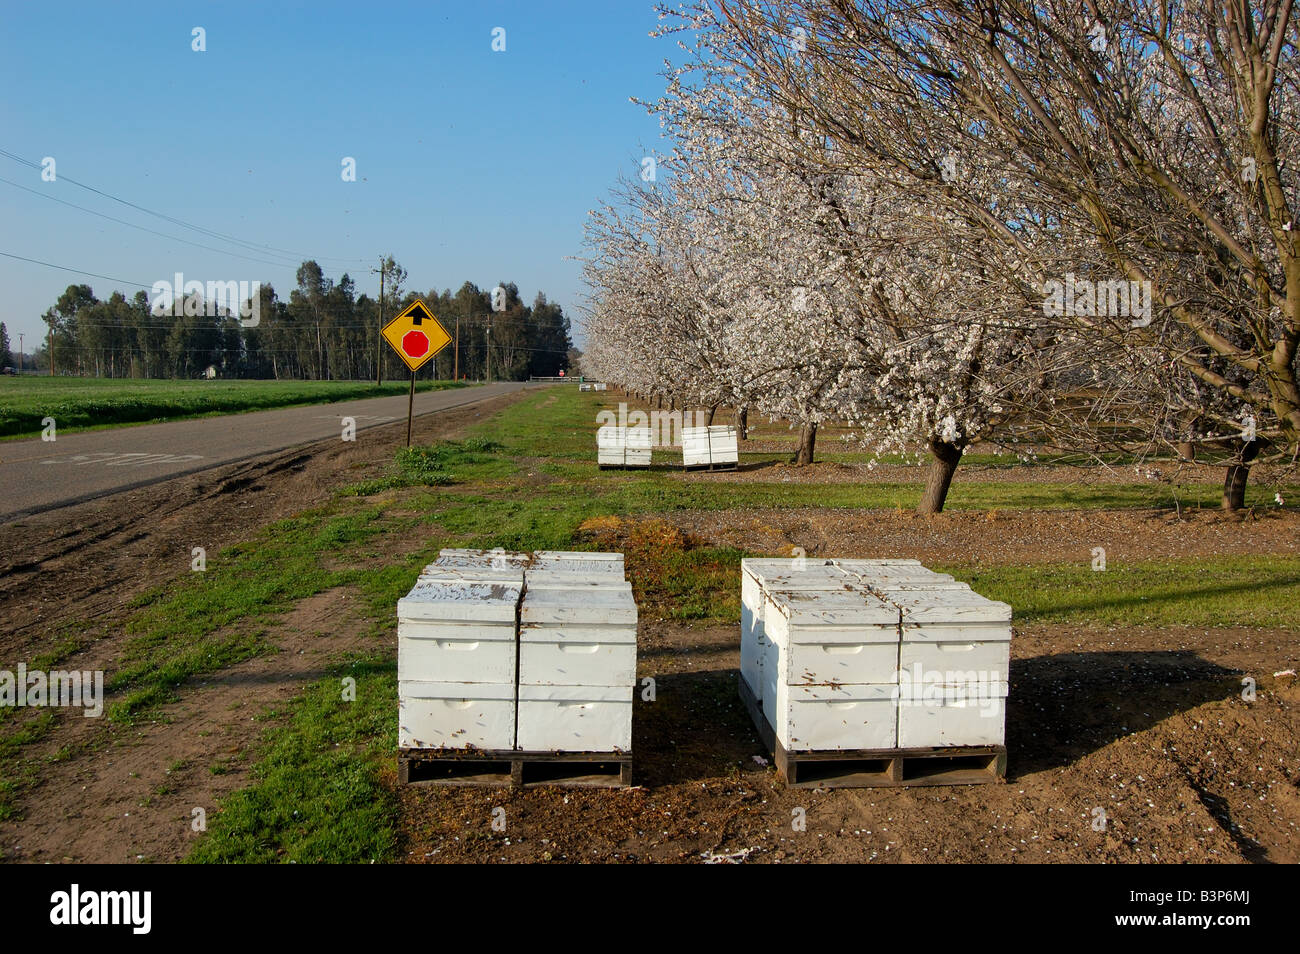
(90, 403)
(526, 480)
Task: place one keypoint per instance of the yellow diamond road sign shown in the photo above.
(416, 335)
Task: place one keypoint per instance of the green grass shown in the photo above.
(208, 621)
(317, 795)
(92, 403)
(1203, 591)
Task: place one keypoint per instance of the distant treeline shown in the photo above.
(325, 331)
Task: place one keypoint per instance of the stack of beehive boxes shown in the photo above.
(577, 654)
(502, 651)
(623, 446)
(872, 654)
(713, 446)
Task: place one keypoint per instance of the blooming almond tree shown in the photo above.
(1157, 136)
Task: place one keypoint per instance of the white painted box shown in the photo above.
(953, 636)
(889, 574)
(760, 575)
(623, 446)
(839, 718)
(598, 604)
(456, 651)
(456, 715)
(437, 572)
(584, 559)
(835, 638)
(935, 715)
(575, 718)
(458, 631)
(487, 601)
(577, 659)
(712, 445)
(460, 557)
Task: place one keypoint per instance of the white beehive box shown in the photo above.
(456, 715)
(715, 445)
(840, 717)
(723, 444)
(954, 661)
(575, 718)
(842, 641)
(457, 631)
(758, 576)
(457, 656)
(894, 648)
(695, 447)
(890, 574)
(623, 446)
(953, 637)
(436, 572)
(962, 714)
(578, 637)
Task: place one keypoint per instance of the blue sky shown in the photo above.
(471, 164)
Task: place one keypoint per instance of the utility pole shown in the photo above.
(21, 363)
(379, 335)
(51, 347)
(456, 373)
(489, 349)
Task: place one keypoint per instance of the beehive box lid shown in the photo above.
(595, 602)
(868, 564)
(472, 574)
(461, 600)
(773, 575)
(601, 564)
(811, 609)
(949, 606)
(458, 557)
(885, 574)
(577, 555)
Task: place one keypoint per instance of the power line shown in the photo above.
(75, 271)
(172, 238)
(249, 246)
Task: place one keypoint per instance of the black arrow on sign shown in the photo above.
(419, 314)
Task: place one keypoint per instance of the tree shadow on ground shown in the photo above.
(1064, 706)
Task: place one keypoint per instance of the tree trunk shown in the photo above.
(807, 442)
(1234, 481)
(742, 423)
(1187, 450)
(946, 458)
(708, 416)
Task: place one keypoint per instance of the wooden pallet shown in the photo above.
(692, 468)
(867, 768)
(478, 767)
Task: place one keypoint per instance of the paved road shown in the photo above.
(36, 475)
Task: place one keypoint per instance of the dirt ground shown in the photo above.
(1001, 536)
(1126, 744)
(1147, 727)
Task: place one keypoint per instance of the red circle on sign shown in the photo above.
(415, 343)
